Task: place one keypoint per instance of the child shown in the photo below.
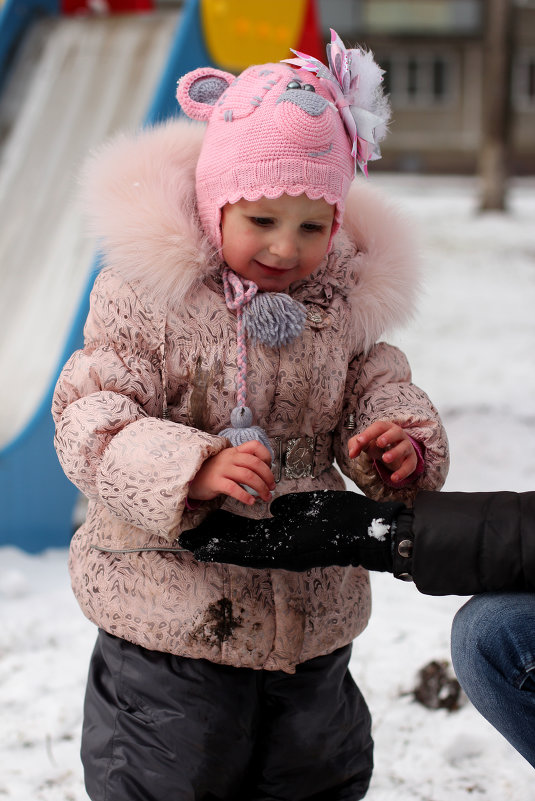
(230, 356)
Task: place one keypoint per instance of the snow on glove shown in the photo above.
(308, 529)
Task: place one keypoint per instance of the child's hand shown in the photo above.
(388, 442)
(227, 471)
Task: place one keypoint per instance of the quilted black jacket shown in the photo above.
(467, 543)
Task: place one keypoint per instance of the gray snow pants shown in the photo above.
(163, 728)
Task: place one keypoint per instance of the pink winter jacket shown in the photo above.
(139, 409)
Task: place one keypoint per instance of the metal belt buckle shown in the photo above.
(298, 457)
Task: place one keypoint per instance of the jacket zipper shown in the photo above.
(137, 550)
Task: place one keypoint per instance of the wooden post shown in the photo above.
(495, 144)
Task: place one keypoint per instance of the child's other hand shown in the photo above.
(227, 471)
(389, 443)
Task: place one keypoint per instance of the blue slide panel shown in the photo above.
(187, 53)
(36, 499)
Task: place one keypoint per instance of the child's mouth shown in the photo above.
(271, 270)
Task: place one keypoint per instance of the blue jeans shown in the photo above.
(493, 653)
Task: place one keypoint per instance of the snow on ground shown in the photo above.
(471, 348)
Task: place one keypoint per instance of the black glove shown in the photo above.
(308, 529)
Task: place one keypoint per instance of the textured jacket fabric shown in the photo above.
(472, 542)
(139, 409)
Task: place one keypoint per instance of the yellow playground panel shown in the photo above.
(242, 32)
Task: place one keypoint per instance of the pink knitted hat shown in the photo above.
(272, 130)
(276, 130)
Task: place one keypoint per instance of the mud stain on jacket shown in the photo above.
(218, 624)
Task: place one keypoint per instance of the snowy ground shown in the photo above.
(471, 348)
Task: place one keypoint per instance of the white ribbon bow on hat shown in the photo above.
(354, 81)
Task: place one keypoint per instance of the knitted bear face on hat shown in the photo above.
(271, 131)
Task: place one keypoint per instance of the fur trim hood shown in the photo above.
(139, 195)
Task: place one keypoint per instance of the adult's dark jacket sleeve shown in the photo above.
(467, 543)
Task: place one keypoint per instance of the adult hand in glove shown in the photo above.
(308, 529)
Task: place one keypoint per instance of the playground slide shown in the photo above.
(77, 80)
(74, 81)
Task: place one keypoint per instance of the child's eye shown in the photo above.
(263, 222)
(312, 228)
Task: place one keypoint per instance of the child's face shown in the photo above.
(276, 242)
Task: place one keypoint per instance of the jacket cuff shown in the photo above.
(145, 472)
(191, 505)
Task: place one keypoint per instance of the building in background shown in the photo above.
(432, 51)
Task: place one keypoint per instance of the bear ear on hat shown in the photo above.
(198, 91)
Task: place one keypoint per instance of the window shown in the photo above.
(523, 89)
(429, 17)
(419, 79)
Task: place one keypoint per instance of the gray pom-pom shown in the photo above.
(243, 430)
(274, 319)
(241, 417)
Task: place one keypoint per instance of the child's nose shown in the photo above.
(284, 246)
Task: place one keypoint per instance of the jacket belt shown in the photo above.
(301, 457)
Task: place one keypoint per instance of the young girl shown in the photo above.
(230, 356)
